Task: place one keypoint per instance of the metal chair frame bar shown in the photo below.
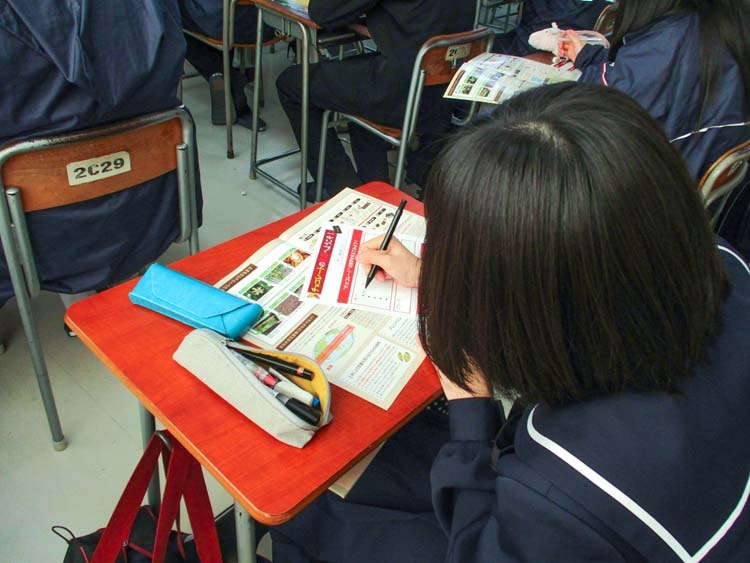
(413, 102)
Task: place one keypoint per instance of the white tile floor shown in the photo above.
(78, 487)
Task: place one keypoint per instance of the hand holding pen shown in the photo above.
(386, 240)
(569, 45)
(395, 262)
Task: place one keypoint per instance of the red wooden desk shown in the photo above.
(271, 480)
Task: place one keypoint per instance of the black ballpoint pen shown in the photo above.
(300, 409)
(386, 240)
(277, 363)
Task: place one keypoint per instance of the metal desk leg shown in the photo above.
(245, 528)
(304, 42)
(226, 50)
(305, 110)
(148, 427)
(256, 98)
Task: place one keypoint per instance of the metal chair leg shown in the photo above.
(226, 50)
(262, 101)
(321, 156)
(400, 165)
(40, 368)
(23, 299)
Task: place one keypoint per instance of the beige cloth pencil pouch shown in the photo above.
(230, 375)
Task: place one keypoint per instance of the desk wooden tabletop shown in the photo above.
(271, 480)
(286, 12)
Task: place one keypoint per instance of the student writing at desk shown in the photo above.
(569, 264)
(686, 62)
(373, 85)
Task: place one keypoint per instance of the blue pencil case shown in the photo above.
(194, 302)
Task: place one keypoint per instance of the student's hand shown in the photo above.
(477, 384)
(396, 262)
(569, 45)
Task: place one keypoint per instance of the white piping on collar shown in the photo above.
(737, 256)
(710, 128)
(633, 506)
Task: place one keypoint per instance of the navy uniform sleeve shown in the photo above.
(490, 517)
(590, 61)
(643, 70)
(335, 13)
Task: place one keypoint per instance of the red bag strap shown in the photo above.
(183, 477)
(177, 473)
(201, 516)
(120, 523)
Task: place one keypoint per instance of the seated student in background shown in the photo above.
(206, 17)
(77, 65)
(540, 14)
(687, 62)
(374, 85)
(569, 264)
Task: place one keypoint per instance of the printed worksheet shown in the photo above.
(493, 78)
(337, 279)
(370, 354)
(296, 6)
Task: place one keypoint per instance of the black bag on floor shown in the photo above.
(140, 543)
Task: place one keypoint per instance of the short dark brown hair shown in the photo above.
(567, 251)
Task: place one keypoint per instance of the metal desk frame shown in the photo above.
(305, 31)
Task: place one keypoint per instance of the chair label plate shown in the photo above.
(93, 169)
(458, 52)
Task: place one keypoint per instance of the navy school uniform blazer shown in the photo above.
(74, 65)
(629, 477)
(398, 28)
(658, 66)
(206, 17)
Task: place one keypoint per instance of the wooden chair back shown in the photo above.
(218, 43)
(442, 55)
(728, 172)
(48, 172)
(61, 170)
(605, 22)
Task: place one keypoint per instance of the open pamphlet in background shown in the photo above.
(366, 345)
(297, 6)
(493, 78)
